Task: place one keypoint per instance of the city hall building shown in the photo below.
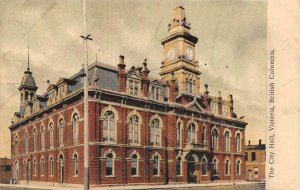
(142, 130)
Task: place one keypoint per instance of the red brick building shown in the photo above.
(5, 170)
(255, 161)
(142, 130)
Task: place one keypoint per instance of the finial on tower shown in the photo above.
(28, 68)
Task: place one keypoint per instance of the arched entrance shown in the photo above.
(191, 168)
(61, 168)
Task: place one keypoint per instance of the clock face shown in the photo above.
(171, 53)
(189, 53)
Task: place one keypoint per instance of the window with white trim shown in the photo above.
(51, 163)
(134, 128)
(134, 165)
(203, 134)
(178, 135)
(227, 167)
(192, 133)
(109, 164)
(156, 165)
(227, 141)
(34, 140)
(214, 139)
(51, 135)
(133, 87)
(42, 166)
(75, 165)
(155, 92)
(178, 166)
(155, 132)
(214, 167)
(238, 167)
(204, 166)
(34, 167)
(214, 107)
(75, 125)
(42, 138)
(109, 126)
(16, 145)
(61, 132)
(26, 142)
(238, 142)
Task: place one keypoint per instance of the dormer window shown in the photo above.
(133, 87)
(214, 107)
(155, 92)
(225, 110)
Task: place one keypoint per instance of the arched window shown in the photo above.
(61, 132)
(51, 171)
(155, 132)
(75, 123)
(227, 141)
(203, 134)
(75, 165)
(109, 126)
(24, 168)
(192, 133)
(109, 164)
(34, 167)
(178, 166)
(42, 138)
(16, 145)
(238, 142)
(238, 167)
(204, 166)
(156, 165)
(134, 127)
(34, 140)
(134, 165)
(214, 139)
(227, 169)
(187, 85)
(214, 167)
(178, 135)
(26, 142)
(42, 166)
(191, 86)
(51, 135)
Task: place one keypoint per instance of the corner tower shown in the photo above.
(179, 55)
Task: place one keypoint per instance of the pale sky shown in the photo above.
(231, 33)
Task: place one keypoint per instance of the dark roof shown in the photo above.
(28, 81)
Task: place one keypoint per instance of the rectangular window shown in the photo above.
(136, 85)
(256, 172)
(131, 87)
(152, 92)
(246, 156)
(253, 155)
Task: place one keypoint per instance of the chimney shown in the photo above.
(259, 142)
(206, 98)
(219, 99)
(121, 74)
(172, 90)
(145, 79)
(249, 142)
(231, 105)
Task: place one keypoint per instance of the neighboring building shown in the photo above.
(255, 161)
(5, 170)
(143, 130)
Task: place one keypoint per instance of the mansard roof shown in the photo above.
(28, 81)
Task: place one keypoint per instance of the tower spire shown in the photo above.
(28, 68)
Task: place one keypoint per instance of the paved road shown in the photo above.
(233, 187)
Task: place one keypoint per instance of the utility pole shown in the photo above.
(86, 37)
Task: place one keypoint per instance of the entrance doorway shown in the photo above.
(61, 168)
(249, 175)
(191, 169)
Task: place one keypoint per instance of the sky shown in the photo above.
(231, 33)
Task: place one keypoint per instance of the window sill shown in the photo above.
(156, 176)
(135, 176)
(179, 175)
(110, 176)
(204, 175)
(75, 175)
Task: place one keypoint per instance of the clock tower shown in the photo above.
(179, 55)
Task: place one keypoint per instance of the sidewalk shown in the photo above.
(127, 187)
